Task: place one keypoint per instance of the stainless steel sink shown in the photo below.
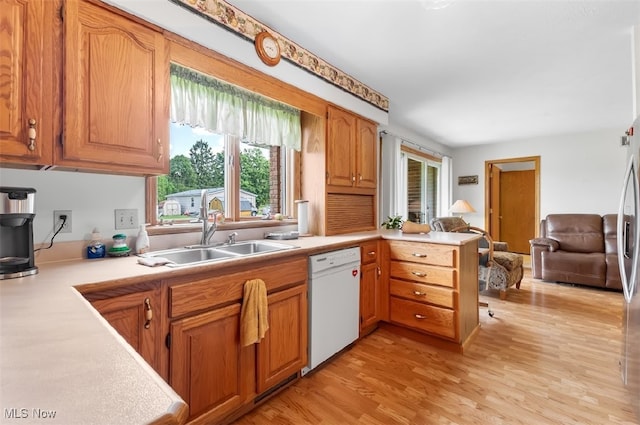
(203, 254)
(189, 256)
(253, 247)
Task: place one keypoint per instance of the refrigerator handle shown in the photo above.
(625, 238)
(624, 232)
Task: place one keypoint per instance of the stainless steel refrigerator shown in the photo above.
(628, 238)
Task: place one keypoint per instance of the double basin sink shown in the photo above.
(202, 254)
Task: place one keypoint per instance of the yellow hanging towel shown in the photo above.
(254, 314)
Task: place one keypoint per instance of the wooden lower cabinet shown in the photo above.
(433, 288)
(370, 291)
(136, 317)
(208, 363)
(283, 351)
(209, 368)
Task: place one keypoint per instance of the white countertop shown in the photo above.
(59, 356)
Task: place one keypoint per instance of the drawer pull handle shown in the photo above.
(421, 294)
(419, 274)
(160, 151)
(371, 253)
(420, 316)
(148, 313)
(31, 133)
(417, 254)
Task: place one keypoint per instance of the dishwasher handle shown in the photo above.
(332, 270)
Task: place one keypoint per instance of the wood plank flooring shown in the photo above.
(549, 356)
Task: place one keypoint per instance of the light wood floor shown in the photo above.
(549, 356)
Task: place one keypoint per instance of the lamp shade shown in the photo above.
(460, 207)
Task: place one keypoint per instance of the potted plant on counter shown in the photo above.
(394, 222)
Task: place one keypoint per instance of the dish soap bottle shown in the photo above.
(142, 241)
(96, 248)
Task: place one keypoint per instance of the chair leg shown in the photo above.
(485, 304)
(521, 276)
(503, 294)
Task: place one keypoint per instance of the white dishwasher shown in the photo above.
(334, 303)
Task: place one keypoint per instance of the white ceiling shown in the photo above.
(476, 71)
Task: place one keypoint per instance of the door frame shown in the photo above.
(487, 189)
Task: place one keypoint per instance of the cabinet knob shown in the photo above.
(419, 255)
(371, 253)
(31, 133)
(420, 316)
(353, 177)
(420, 294)
(148, 313)
(360, 177)
(419, 274)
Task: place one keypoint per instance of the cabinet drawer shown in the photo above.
(425, 274)
(428, 318)
(423, 293)
(197, 294)
(426, 253)
(369, 252)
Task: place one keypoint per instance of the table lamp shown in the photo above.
(461, 207)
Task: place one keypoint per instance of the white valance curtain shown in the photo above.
(201, 101)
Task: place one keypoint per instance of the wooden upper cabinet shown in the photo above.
(116, 92)
(341, 138)
(25, 94)
(367, 153)
(351, 151)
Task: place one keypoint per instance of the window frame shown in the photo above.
(216, 65)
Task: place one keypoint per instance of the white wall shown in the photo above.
(635, 54)
(91, 198)
(579, 173)
(187, 24)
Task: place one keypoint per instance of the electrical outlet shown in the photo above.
(57, 221)
(126, 219)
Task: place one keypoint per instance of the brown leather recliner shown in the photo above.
(577, 248)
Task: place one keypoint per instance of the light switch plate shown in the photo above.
(126, 219)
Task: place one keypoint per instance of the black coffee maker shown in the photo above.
(17, 211)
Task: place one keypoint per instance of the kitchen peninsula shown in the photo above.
(58, 355)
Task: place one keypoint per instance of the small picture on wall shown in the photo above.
(467, 180)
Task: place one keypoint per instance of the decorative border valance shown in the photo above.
(229, 17)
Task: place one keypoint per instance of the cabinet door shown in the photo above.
(341, 135)
(283, 351)
(24, 58)
(206, 366)
(366, 150)
(137, 319)
(369, 295)
(116, 91)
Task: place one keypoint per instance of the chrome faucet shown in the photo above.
(207, 230)
(232, 238)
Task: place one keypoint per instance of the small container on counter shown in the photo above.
(119, 248)
(96, 248)
(142, 241)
